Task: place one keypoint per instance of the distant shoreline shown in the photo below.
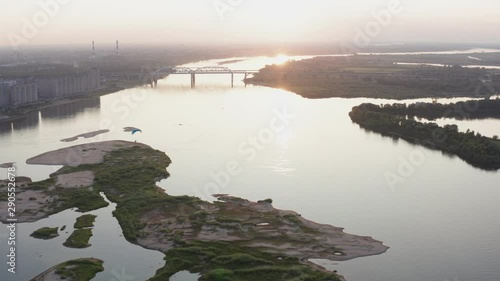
(379, 77)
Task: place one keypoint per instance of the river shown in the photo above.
(440, 220)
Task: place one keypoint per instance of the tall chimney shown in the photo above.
(117, 49)
(93, 49)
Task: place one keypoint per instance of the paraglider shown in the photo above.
(136, 131)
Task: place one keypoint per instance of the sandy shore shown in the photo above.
(75, 180)
(92, 153)
(86, 135)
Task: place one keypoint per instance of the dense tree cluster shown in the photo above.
(391, 120)
(473, 109)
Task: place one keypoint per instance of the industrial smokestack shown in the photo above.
(117, 49)
(93, 49)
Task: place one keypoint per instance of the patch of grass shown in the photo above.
(219, 274)
(219, 261)
(240, 260)
(85, 221)
(269, 201)
(41, 185)
(80, 270)
(84, 200)
(79, 239)
(45, 233)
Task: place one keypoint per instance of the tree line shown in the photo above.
(473, 109)
(391, 120)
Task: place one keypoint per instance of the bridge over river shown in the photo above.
(193, 71)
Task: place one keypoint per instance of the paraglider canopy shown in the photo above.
(135, 131)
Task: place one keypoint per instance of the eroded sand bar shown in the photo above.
(6, 165)
(130, 129)
(86, 135)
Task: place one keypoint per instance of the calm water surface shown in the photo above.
(441, 221)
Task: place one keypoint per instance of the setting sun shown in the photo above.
(281, 59)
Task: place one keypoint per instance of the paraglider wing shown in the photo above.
(135, 131)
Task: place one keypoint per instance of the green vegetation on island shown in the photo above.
(85, 221)
(228, 261)
(477, 150)
(84, 269)
(45, 233)
(79, 238)
(80, 269)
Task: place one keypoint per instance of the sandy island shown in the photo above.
(86, 135)
(352, 246)
(278, 231)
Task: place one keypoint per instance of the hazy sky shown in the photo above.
(186, 21)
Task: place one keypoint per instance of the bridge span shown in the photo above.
(193, 71)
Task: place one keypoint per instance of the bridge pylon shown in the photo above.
(193, 80)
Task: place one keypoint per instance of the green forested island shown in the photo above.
(391, 120)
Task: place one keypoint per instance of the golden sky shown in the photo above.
(244, 21)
